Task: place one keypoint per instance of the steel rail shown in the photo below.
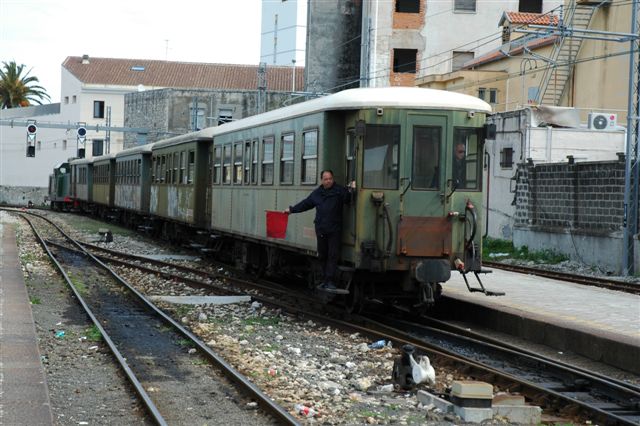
(151, 407)
(267, 403)
(564, 276)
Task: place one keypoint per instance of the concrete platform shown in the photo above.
(24, 396)
(600, 324)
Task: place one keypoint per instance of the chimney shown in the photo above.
(85, 59)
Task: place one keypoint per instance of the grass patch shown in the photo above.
(28, 257)
(200, 361)
(93, 334)
(262, 321)
(495, 249)
(183, 310)
(34, 300)
(78, 284)
(185, 343)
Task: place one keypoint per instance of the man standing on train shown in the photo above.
(328, 199)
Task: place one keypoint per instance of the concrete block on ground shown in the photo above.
(508, 399)
(203, 300)
(525, 414)
(473, 415)
(426, 398)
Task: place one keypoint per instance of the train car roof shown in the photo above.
(79, 161)
(142, 149)
(382, 97)
(105, 157)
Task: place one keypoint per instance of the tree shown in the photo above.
(17, 90)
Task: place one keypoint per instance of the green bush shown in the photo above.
(496, 249)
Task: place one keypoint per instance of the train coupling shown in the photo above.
(480, 289)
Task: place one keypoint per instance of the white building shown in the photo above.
(284, 32)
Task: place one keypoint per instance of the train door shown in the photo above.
(424, 229)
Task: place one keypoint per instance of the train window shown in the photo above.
(217, 164)
(226, 164)
(426, 157)
(169, 169)
(467, 157)
(183, 165)
(267, 160)
(139, 171)
(351, 155)
(191, 166)
(247, 162)
(310, 157)
(237, 163)
(286, 159)
(163, 168)
(254, 162)
(381, 156)
(176, 167)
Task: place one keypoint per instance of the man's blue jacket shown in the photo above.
(328, 204)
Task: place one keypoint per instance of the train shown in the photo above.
(412, 222)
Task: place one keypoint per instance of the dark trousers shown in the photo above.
(329, 252)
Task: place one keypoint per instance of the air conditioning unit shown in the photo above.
(603, 121)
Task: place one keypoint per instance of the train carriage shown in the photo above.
(411, 223)
(60, 197)
(103, 188)
(133, 179)
(179, 180)
(82, 181)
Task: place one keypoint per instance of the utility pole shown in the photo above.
(632, 168)
(293, 79)
(107, 137)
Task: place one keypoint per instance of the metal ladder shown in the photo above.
(565, 51)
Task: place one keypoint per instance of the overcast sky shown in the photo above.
(42, 33)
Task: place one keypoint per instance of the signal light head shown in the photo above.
(81, 131)
(32, 129)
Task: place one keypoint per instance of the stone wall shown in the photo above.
(587, 196)
(21, 195)
(167, 112)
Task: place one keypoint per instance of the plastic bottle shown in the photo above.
(305, 411)
(378, 345)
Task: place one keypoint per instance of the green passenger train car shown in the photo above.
(103, 177)
(414, 218)
(60, 197)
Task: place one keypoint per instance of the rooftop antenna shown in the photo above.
(166, 48)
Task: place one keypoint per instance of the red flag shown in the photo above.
(277, 224)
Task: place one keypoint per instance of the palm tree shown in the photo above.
(17, 90)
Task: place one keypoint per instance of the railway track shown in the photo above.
(554, 386)
(543, 381)
(162, 360)
(564, 276)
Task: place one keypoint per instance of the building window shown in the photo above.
(64, 144)
(66, 100)
(286, 159)
(506, 158)
(97, 147)
(493, 96)
(530, 6)
(482, 93)
(464, 5)
(404, 60)
(39, 144)
(310, 157)
(217, 164)
(196, 117)
(532, 95)
(73, 99)
(458, 59)
(98, 109)
(408, 6)
(237, 163)
(225, 115)
(267, 161)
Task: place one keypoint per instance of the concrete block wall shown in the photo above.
(21, 195)
(588, 196)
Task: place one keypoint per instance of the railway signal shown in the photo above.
(81, 134)
(32, 129)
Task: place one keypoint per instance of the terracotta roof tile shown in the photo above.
(516, 49)
(530, 18)
(157, 74)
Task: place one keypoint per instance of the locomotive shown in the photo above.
(414, 219)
